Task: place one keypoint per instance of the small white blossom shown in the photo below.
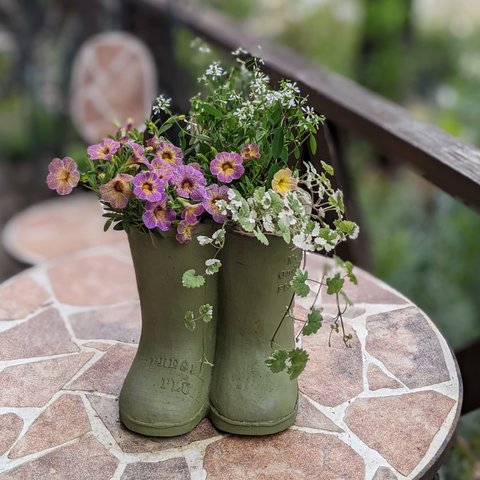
(161, 104)
(214, 71)
(203, 240)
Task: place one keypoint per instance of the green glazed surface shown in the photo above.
(254, 291)
(166, 390)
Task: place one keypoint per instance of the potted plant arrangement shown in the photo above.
(218, 216)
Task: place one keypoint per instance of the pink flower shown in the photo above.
(191, 212)
(184, 231)
(149, 187)
(117, 191)
(63, 176)
(227, 166)
(138, 154)
(103, 150)
(159, 215)
(154, 143)
(190, 182)
(250, 151)
(169, 153)
(163, 169)
(214, 193)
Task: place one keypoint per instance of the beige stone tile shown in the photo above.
(309, 416)
(329, 367)
(64, 420)
(103, 347)
(100, 280)
(121, 323)
(10, 427)
(304, 456)
(400, 428)
(107, 374)
(129, 442)
(83, 460)
(33, 384)
(384, 473)
(41, 336)
(377, 379)
(408, 347)
(21, 297)
(174, 469)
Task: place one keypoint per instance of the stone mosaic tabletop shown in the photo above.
(384, 409)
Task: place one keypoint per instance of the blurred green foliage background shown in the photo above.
(424, 54)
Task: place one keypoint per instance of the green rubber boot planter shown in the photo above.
(246, 398)
(166, 390)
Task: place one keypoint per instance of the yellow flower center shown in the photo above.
(147, 187)
(227, 167)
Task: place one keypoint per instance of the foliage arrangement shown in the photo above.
(233, 160)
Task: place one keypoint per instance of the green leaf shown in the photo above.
(189, 321)
(345, 226)
(296, 152)
(299, 285)
(212, 110)
(260, 236)
(277, 362)
(314, 322)
(206, 312)
(327, 168)
(285, 231)
(277, 144)
(191, 280)
(334, 284)
(118, 226)
(164, 128)
(107, 224)
(313, 144)
(351, 276)
(298, 359)
(213, 266)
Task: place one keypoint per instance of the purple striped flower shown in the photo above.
(103, 150)
(227, 166)
(163, 169)
(214, 193)
(147, 186)
(250, 151)
(190, 182)
(169, 153)
(63, 175)
(158, 215)
(117, 191)
(184, 231)
(191, 212)
(138, 154)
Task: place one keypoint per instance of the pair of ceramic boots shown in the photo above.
(168, 390)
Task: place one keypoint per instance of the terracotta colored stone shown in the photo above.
(100, 280)
(33, 384)
(304, 456)
(82, 460)
(43, 335)
(59, 226)
(173, 469)
(107, 374)
(121, 323)
(329, 367)
(103, 347)
(384, 473)
(400, 428)
(64, 420)
(20, 297)
(107, 410)
(408, 347)
(377, 379)
(309, 416)
(10, 427)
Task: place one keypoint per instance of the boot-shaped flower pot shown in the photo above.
(254, 289)
(166, 390)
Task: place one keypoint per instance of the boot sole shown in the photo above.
(161, 430)
(251, 428)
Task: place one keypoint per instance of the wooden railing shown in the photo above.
(444, 160)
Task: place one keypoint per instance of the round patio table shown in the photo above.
(384, 409)
(57, 226)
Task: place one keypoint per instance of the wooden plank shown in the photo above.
(444, 160)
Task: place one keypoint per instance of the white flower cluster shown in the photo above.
(214, 71)
(162, 103)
